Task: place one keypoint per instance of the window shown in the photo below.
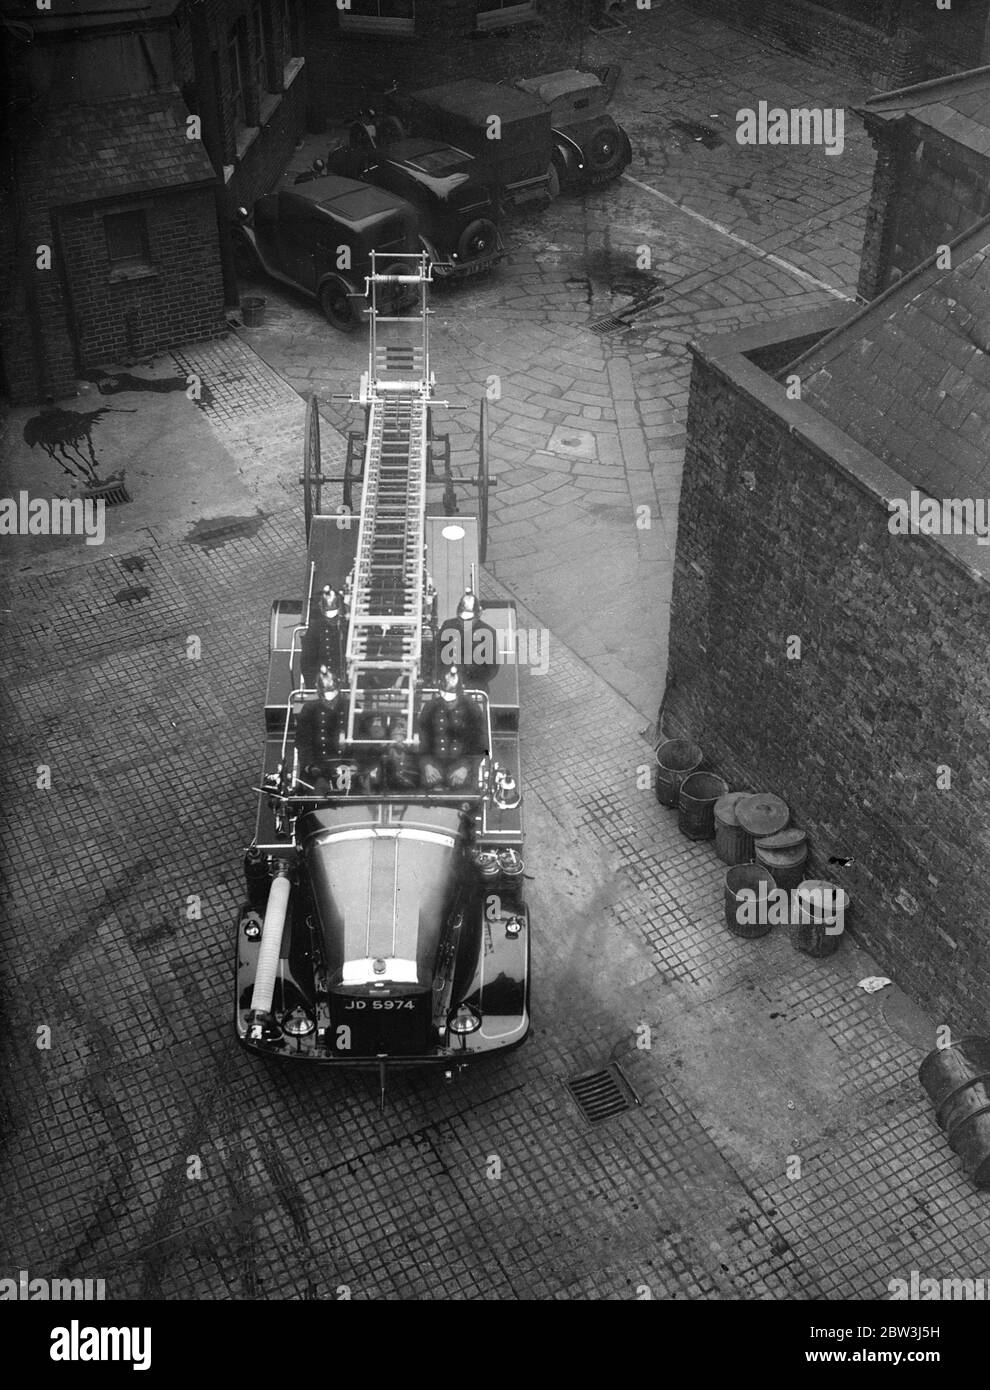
(127, 240)
(238, 67)
(378, 16)
(499, 14)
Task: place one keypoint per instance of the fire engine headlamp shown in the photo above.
(298, 1023)
(465, 1020)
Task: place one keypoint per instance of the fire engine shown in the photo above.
(385, 922)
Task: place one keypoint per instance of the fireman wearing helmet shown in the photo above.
(319, 731)
(324, 640)
(468, 643)
(452, 736)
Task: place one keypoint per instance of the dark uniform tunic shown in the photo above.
(452, 737)
(470, 645)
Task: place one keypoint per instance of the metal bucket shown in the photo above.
(732, 844)
(740, 881)
(253, 310)
(677, 758)
(957, 1079)
(821, 906)
(696, 804)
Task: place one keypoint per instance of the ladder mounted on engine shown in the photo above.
(388, 593)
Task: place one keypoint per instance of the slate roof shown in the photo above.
(114, 149)
(909, 376)
(957, 106)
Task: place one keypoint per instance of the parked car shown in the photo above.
(517, 164)
(589, 148)
(458, 213)
(319, 236)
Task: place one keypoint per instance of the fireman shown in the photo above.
(319, 731)
(324, 641)
(468, 643)
(452, 736)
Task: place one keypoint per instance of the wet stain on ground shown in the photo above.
(134, 594)
(132, 563)
(702, 134)
(218, 530)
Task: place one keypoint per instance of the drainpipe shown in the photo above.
(209, 115)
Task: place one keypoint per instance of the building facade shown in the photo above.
(819, 652)
(131, 136)
(358, 49)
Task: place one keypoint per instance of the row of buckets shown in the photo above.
(753, 835)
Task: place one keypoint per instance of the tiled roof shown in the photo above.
(909, 377)
(110, 149)
(957, 106)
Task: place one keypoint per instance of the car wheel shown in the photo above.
(246, 261)
(553, 181)
(338, 307)
(478, 239)
(604, 154)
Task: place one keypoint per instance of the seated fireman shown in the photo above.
(320, 727)
(468, 643)
(325, 640)
(452, 736)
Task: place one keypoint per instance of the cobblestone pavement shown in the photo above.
(757, 1055)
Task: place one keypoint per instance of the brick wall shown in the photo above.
(180, 301)
(927, 190)
(862, 38)
(347, 71)
(776, 538)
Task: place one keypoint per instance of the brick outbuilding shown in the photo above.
(817, 652)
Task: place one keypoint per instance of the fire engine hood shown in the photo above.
(382, 894)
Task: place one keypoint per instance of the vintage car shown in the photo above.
(515, 153)
(589, 148)
(458, 214)
(384, 924)
(535, 138)
(319, 236)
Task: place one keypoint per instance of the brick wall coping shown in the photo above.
(728, 355)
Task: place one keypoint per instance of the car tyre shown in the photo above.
(553, 181)
(479, 238)
(607, 154)
(337, 306)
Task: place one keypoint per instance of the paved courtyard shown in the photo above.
(142, 1146)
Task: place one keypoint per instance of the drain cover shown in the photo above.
(113, 494)
(602, 1094)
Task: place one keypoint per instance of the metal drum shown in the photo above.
(957, 1078)
(821, 908)
(760, 814)
(785, 855)
(696, 804)
(676, 759)
(741, 881)
(731, 843)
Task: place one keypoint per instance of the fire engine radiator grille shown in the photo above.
(602, 1094)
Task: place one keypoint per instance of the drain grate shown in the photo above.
(113, 494)
(602, 1094)
(611, 323)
